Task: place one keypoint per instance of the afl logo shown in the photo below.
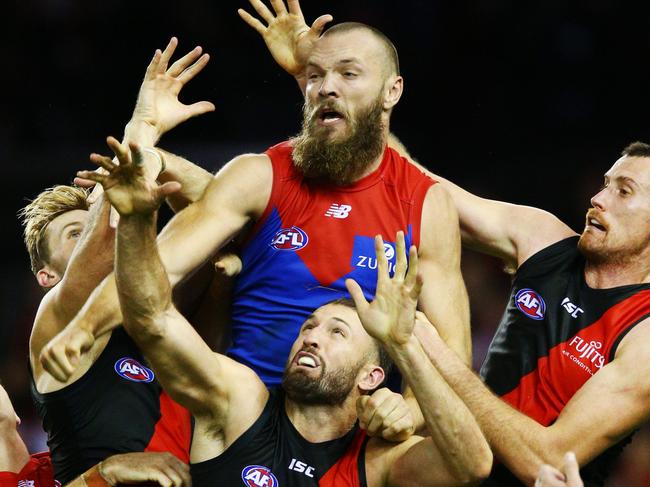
(132, 370)
(258, 476)
(292, 238)
(531, 304)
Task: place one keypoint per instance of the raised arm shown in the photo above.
(204, 382)
(457, 453)
(237, 194)
(505, 230)
(616, 399)
(444, 297)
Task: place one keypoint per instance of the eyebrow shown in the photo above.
(312, 64)
(628, 180)
(340, 320)
(65, 227)
(349, 61)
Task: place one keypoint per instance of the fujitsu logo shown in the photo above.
(338, 211)
(586, 352)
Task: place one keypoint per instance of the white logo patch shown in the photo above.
(571, 308)
(338, 211)
(301, 467)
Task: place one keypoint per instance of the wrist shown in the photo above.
(95, 477)
(160, 160)
(141, 131)
(400, 349)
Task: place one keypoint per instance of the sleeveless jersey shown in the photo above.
(556, 333)
(37, 472)
(272, 453)
(116, 407)
(310, 238)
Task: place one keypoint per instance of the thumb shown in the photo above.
(168, 188)
(319, 24)
(199, 108)
(572, 470)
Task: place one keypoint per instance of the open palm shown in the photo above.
(391, 314)
(287, 36)
(158, 104)
(125, 185)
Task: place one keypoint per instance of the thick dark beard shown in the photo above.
(342, 161)
(330, 389)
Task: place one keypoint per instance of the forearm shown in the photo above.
(143, 287)
(446, 304)
(193, 178)
(521, 443)
(452, 427)
(90, 263)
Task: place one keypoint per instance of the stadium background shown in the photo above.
(527, 103)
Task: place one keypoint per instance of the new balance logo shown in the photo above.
(338, 211)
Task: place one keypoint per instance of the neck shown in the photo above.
(605, 275)
(318, 423)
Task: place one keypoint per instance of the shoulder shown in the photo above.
(409, 174)
(556, 256)
(634, 345)
(246, 175)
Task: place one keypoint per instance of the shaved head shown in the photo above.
(390, 52)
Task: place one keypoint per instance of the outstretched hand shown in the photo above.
(125, 185)
(288, 37)
(158, 104)
(390, 317)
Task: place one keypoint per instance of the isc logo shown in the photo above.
(133, 370)
(258, 476)
(292, 238)
(531, 304)
(301, 467)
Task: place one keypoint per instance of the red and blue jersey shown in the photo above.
(310, 238)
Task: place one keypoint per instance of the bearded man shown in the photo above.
(315, 203)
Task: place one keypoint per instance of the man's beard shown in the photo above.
(344, 159)
(330, 388)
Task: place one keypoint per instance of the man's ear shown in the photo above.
(371, 379)
(47, 277)
(394, 88)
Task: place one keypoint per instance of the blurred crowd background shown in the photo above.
(528, 102)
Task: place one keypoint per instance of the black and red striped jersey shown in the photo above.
(555, 334)
(273, 453)
(117, 406)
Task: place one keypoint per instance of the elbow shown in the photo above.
(479, 470)
(483, 467)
